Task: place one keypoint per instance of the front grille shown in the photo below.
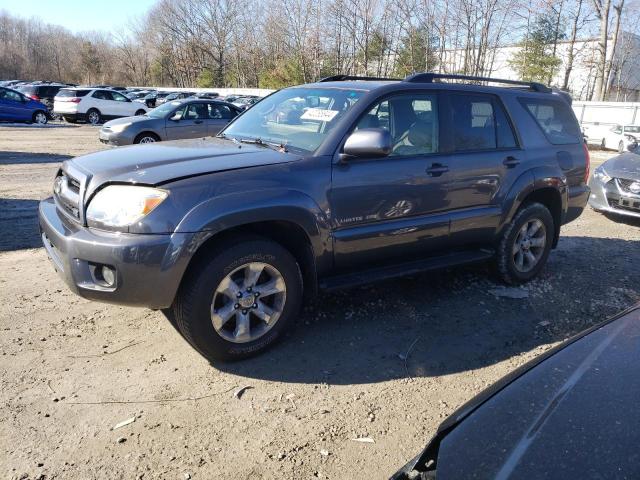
(68, 193)
(624, 184)
(625, 204)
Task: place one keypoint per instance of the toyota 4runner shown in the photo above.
(320, 186)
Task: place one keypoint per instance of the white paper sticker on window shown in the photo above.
(319, 114)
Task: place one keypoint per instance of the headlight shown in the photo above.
(120, 127)
(601, 175)
(122, 205)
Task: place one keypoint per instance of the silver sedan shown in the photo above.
(615, 185)
(187, 118)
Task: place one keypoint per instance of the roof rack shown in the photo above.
(430, 77)
(342, 78)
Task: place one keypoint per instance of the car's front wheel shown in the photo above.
(40, 117)
(525, 244)
(239, 298)
(140, 112)
(147, 137)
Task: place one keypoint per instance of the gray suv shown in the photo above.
(321, 186)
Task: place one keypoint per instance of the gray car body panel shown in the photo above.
(607, 197)
(217, 184)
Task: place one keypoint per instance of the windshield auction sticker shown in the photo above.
(319, 114)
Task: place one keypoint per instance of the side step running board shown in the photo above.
(403, 269)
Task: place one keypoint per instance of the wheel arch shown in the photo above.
(147, 132)
(549, 190)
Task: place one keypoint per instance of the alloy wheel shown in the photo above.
(248, 302)
(529, 245)
(147, 140)
(94, 118)
(41, 118)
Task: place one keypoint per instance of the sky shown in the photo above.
(79, 15)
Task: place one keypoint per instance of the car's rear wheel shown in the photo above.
(140, 112)
(146, 137)
(603, 144)
(239, 298)
(94, 117)
(525, 244)
(40, 117)
(621, 147)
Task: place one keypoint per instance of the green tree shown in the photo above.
(416, 53)
(534, 61)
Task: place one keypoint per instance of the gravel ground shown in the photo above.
(386, 362)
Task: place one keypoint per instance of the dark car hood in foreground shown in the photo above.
(572, 414)
(162, 162)
(625, 165)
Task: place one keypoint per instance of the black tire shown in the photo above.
(505, 262)
(146, 135)
(140, 112)
(69, 119)
(94, 117)
(603, 144)
(192, 307)
(39, 117)
(621, 147)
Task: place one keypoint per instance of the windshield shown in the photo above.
(632, 129)
(163, 110)
(298, 118)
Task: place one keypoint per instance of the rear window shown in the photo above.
(555, 118)
(67, 92)
(27, 89)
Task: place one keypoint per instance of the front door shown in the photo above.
(387, 209)
(192, 122)
(11, 105)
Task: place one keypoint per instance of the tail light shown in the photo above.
(34, 97)
(75, 99)
(587, 159)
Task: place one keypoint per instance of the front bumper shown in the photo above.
(148, 268)
(609, 197)
(115, 139)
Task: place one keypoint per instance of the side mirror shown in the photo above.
(176, 117)
(369, 143)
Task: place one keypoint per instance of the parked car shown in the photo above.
(620, 137)
(94, 105)
(615, 185)
(135, 95)
(207, 95)
(569, 413)
(188, 118)
(173, 96)
(379, 179)
(246, 102)
(42, 92)
(155, 99)
(16, 107)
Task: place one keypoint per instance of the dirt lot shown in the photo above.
(71, 370)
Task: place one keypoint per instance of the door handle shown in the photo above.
(511, 162)
(437, 169)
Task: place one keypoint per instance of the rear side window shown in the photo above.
(28, 90)
(555, 118)
(220, 111)
(480, 123)
(65, 92)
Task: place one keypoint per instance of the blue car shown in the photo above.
(15, 107)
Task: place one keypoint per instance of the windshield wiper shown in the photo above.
(280, 147)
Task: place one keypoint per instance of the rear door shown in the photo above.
(485, 162)
(219, 116)
(191, 122)
(122, 106)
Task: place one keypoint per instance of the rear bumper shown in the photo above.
(577, 199)
(148, 268)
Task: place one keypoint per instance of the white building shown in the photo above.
(625, 71)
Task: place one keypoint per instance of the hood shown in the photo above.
(625, 165)
(570, 414)
(162, 162)
(134, 119)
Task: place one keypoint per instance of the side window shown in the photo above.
(197, 111)
(505, 136)
(118, 97)
(412, 121)
(220, 111)
(10, 95)
(555, 118)
(617, 129)
(474, 125)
